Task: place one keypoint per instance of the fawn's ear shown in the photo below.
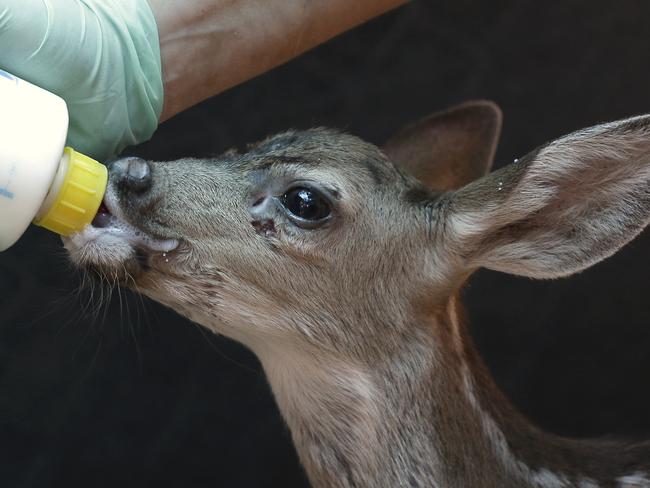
(449, 149)
(560, 209)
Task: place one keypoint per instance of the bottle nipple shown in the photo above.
(75, 195)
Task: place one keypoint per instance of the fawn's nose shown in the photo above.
(133, 174)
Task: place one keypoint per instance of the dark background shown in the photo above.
(139, 397)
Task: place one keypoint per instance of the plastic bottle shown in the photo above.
(40, 180)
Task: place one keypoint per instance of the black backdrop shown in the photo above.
(140, 397)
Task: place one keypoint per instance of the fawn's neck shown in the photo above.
(430, 415)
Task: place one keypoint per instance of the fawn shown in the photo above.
(339, 265)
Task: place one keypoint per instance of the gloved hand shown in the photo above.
(101, 56)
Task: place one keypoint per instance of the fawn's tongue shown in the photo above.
(102, 219)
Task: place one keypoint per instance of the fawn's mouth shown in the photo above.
(112, 242)
(109, 220)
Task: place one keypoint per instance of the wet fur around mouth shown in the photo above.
(110, 218)
(113, 248)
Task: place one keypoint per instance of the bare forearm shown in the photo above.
(208, 46)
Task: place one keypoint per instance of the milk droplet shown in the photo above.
(500, 187)
(516, 161)
(166, 260)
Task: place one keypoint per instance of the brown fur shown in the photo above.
(356, 319)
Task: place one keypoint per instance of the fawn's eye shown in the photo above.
(307, 205)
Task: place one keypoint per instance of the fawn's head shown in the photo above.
(321, 239)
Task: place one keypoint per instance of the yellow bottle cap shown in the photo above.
(79, 196)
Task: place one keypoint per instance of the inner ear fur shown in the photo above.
(447, 150)
(561, 208)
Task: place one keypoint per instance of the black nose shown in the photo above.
(132, 173)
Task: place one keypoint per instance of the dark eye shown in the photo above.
(306, 204)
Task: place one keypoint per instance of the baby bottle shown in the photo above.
(40, 180)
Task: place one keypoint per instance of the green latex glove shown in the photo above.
(101, 56)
